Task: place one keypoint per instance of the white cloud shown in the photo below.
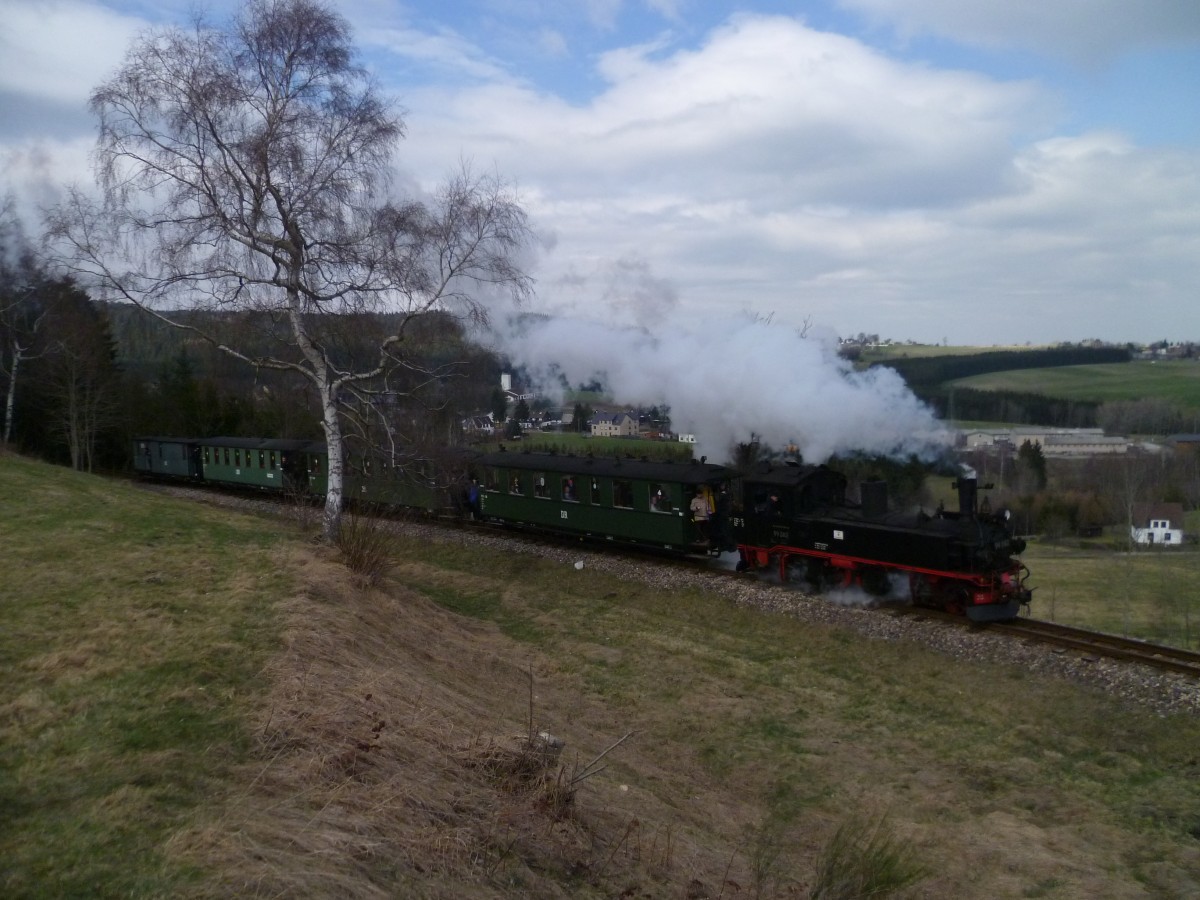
(445, 53)
(781, 169)
(1087, 31)
(767, 111)
(60, 50)
(603, 14)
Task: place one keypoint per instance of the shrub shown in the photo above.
(864, 859)
(367, 546)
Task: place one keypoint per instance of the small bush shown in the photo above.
(863, 859)
(367, 546)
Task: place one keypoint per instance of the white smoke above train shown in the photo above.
(728, 379)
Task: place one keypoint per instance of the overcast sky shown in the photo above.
(974, 171)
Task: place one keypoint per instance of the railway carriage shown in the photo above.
(270, 465)
(625, 500)
(167, 457)
(426, 484)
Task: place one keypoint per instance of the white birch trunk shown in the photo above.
(9, 401)
(335, 486)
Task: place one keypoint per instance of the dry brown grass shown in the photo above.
(397, 759)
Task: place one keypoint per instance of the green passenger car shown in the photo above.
(275, 465)
(628, 500)
(166, 457)
(374, 482)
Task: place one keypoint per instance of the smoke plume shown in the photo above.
(728, 379)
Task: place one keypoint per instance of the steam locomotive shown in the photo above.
(795, 518)
(965, 561)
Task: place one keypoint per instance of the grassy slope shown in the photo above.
(132, 631)
(1176, 381)
(218, 711)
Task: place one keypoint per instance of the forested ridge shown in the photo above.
(932, 370)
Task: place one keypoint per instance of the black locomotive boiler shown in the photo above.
(799, 519)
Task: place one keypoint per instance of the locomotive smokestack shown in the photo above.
(968, 493)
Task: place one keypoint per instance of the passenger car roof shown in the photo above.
(607, 467)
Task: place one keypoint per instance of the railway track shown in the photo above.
(1099, 644)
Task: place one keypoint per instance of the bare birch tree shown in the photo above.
(22, 312)
(247, 169)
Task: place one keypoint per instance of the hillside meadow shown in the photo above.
(204, 703)
(1176, 381)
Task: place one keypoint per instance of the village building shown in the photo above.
(1157, 523)
(1060, 442)
(621, 424)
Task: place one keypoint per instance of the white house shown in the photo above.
(1158, 523)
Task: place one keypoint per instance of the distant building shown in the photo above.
(478, 426)
(620, 424)
(1157, 523)
(1053, 441)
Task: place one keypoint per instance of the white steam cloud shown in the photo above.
(725, 380)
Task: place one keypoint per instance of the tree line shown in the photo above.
(925, 372)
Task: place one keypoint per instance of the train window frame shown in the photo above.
(516, 485)
(659, 498)
(272, 454)
(207, 455)
(226, 455)
(622, 493)
(491, 481)
(596, 495)
(541, 490)
(570, 493)
(262, 459)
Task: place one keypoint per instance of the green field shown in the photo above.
(1176, 381)
(199, 702)
(1149, 594)
(922, 351)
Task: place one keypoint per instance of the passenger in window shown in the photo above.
(700, 513)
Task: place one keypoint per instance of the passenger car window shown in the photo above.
(622, 493)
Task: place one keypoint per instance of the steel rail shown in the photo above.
(1112, 646)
